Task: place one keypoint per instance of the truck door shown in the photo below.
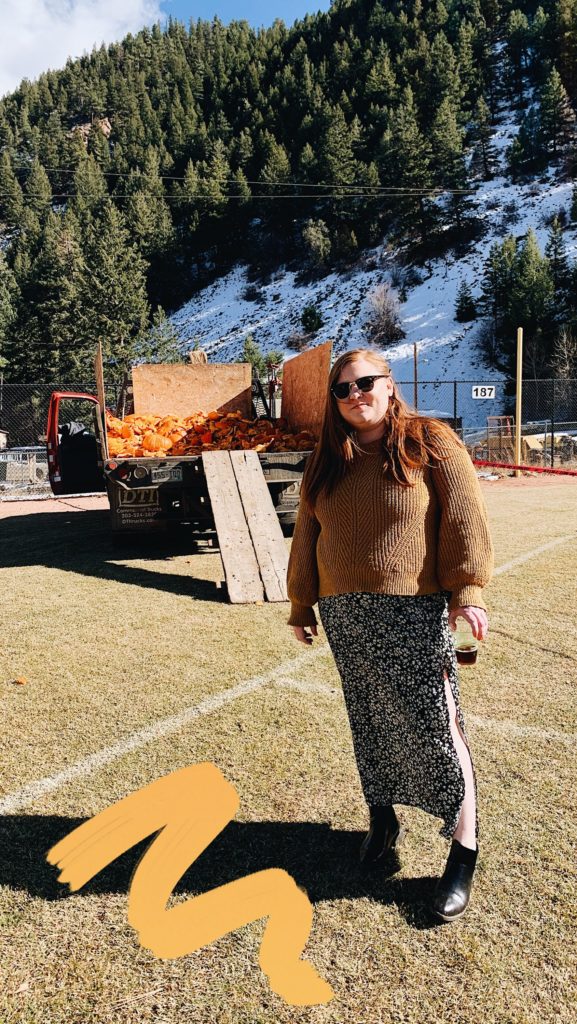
(72, 441)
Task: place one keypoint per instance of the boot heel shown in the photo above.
(453, 892)
(383, 837)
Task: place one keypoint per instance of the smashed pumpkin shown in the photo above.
(140, 435)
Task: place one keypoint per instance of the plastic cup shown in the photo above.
(466, 646)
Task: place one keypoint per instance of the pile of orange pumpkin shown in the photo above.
(137, 435)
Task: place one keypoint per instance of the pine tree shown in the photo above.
(11, 196)
(538, 39)
(147, 213)
(307, 163)
(447, 160)
(559, 270)
(46, 341)
(532, 295)
(240, 188)
(311, 319)
(8, 292)
(381, 84)
(566, 50)
(252, 353)
(443, 79)
(243, 149)
(465, 308)
(482, 119)
(161, 343)
(213, 182)
(190, 205)
(467, 67)
(336, 157)
(574, 203)
(37, 190)
(277, 168)
(89, 187)
(557, 117)
(52, 151)
(497, 284)
(368, 209)
(527, 153)
(113, 289)
(517, 41)
(406, 162)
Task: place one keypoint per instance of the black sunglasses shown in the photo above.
(364, 384)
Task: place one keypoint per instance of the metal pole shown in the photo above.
(415, 378)
(455, 403)
(553, 427)
(518, 413)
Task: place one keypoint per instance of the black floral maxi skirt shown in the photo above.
(392, 652)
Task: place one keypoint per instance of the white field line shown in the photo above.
(503, 726)
(29, 794)
(13, 802)
(531, 554)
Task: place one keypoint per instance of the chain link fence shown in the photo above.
(483, 413)
(23, 420)
(549, 422)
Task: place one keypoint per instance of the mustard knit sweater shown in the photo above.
(373, 535)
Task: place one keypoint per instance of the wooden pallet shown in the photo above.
(251, 542)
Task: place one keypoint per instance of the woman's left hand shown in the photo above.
(476, 617)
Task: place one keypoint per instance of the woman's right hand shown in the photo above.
(301, 633)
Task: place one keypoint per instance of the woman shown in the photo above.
(392, 541)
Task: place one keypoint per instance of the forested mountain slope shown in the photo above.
(134, 176)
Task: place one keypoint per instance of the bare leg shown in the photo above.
(465, 831)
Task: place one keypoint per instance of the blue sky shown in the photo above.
(256, 12)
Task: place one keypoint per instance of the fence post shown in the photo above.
(518, 402)
(553, 426)
(455, 402)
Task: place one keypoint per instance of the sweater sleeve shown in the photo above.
(302, 573)
(465, 549)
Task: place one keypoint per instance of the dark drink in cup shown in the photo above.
(466, 644)
(466, 654)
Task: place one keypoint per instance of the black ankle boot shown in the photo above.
(451, 897)
(384, 831)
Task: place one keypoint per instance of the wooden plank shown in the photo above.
(101, 395)
(234, 540)
(304, 388)
(265, 529)
(182, 389)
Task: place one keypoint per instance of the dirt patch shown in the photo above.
(83, 503)
(531, 480)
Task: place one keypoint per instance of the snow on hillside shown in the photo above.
(220, 318)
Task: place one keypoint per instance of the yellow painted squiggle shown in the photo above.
(191, 807)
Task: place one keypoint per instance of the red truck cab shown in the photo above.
(72, 443)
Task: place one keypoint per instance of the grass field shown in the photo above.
(113, 642)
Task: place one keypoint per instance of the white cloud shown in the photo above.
(36, 35)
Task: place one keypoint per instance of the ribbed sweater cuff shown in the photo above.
(301, 615)
(467, 595)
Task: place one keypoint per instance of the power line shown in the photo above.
(261, 184)
(360, 194)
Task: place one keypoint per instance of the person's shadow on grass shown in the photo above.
(323, 861)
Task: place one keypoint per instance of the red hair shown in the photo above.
(409, 440)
